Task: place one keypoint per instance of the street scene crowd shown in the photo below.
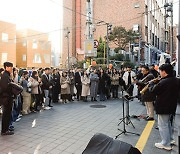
(157, 89)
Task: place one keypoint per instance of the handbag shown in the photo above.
(15, 88)
(64, 86)
(29, 90)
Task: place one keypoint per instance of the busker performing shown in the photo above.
(166, 92)
(146, 96)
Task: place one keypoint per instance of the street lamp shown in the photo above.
(67, 36)
(169, 8)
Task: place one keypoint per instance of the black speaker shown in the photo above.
(103, 144)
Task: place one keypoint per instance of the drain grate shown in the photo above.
(98, 106)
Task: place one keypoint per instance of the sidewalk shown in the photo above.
(67, 129)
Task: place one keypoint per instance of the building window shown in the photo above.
(146, 10)
(4, 37)
(146, 30)
(136, 28)
(3, 57)
(47, 58)
(24, 57)
(37, 58)
(34, 44)
(158, 43)
(24, 43)
(155, 41)
(152, 38)
(136, 5)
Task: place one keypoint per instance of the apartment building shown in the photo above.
(7, 42)
(146, 17)
(33, 49)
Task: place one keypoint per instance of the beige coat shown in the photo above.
(65, 80)
(85, 86)
(115, 79)
(34, 85)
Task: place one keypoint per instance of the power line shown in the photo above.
(143, 13)
(103, 20)
(45, 33)
(39, 34)
(75, 11)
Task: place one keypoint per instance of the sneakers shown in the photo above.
(47, 108)
(149, 119)
(7, 133)
(173, 142)
(18, 119)
(161, 146)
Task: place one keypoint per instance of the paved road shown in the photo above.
(67, 129)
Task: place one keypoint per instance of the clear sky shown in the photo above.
(41, 15)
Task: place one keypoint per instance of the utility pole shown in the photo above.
(109, 31)
(178, 52)
(169, 8)
(172, 48)
(107, 47)
(139, 51)
(67, 36)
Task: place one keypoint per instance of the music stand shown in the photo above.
(125, 119)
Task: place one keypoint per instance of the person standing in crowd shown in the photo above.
(46, 86)
(114, 83)
(78, 83)
(55, 86)
(153, 71)
(128, 77)
(108, 83)
(148, 97)
(94, 80)
(25, 93)
(139, 76)
(17, 102)
(6, 97)
(102, 84)
(166, 103)
(72, 83)
(65, 87)
(85, 86)
(36, 83)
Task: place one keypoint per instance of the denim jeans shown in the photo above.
(165, 128)
(102, 96)
(16, 109)
(46, 93)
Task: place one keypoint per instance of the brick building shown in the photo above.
(146, 16)
(7, 42)
(33, 49)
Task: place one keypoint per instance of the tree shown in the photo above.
(120, 37)
(119, 57)
(100, 49)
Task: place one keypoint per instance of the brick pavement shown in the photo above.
(67, 129)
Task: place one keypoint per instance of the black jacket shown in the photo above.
(147, 96)
(103, 82)
(4, 85)
(167, 93)
(77, 78)
(46, 83)
(155, 73)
